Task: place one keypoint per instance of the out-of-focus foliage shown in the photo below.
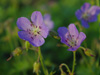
(62, 13)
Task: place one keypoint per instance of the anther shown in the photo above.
(31, 37)
(31, 25)
(39, 27)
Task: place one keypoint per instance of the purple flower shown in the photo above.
(87, 14)
(48, 22)
(34, 31)
(71, 37)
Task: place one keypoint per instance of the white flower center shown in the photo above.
(71, 41)
(86, 16)
(36, 30)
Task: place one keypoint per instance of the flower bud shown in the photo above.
(17, 52)
(36, 67)
(27, 45)
(89, 52)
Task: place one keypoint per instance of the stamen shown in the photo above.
(31, 37)
(67, 39)
(39, 27)
(72, 35)
(31, 25)
(29, 32)
(35, 35)
(38, 32)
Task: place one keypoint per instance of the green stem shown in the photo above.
(66, 67)
(97, 2)
(74, 59)
(41, 60)
(86, 61)
(37, 73)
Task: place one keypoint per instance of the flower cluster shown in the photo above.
(38, 28)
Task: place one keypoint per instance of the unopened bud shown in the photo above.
(89, 52)
(27, 45)
(17, 52)
(36, 67)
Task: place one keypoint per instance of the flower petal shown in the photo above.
(37, 41)
(73, 48)
(34, 40)
(63, 33)
(25, 35)
(94, 10)
(85, 7)
(49, 24)
(23, 23)
(37, 18)
(47, 17)
(73, 31)
(84, 23)
(81, 38)
(44, 31)
(78, 14)
(93, 18)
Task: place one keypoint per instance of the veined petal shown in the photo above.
(47, 17)
(49, 24)
(37, 18)
(25, 35)
(63, 33)
(73, 31)
(37, 41)
(34, 40)
(78, 14)
(85, 7)
(23, 23)
(94, 10)
(64, 40)
(84, 23)
(44, 31)
(73, 48)
(92, 18)
(81, 38)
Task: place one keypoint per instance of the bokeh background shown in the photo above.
(62, 13)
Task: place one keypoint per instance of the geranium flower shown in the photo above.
(71, 37)
(48, 22)
(33, 31)
(87, 14)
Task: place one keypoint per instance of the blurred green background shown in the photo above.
(62, 13)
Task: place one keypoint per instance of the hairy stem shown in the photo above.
(65, 66)
(74, 59)
(41, 60)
